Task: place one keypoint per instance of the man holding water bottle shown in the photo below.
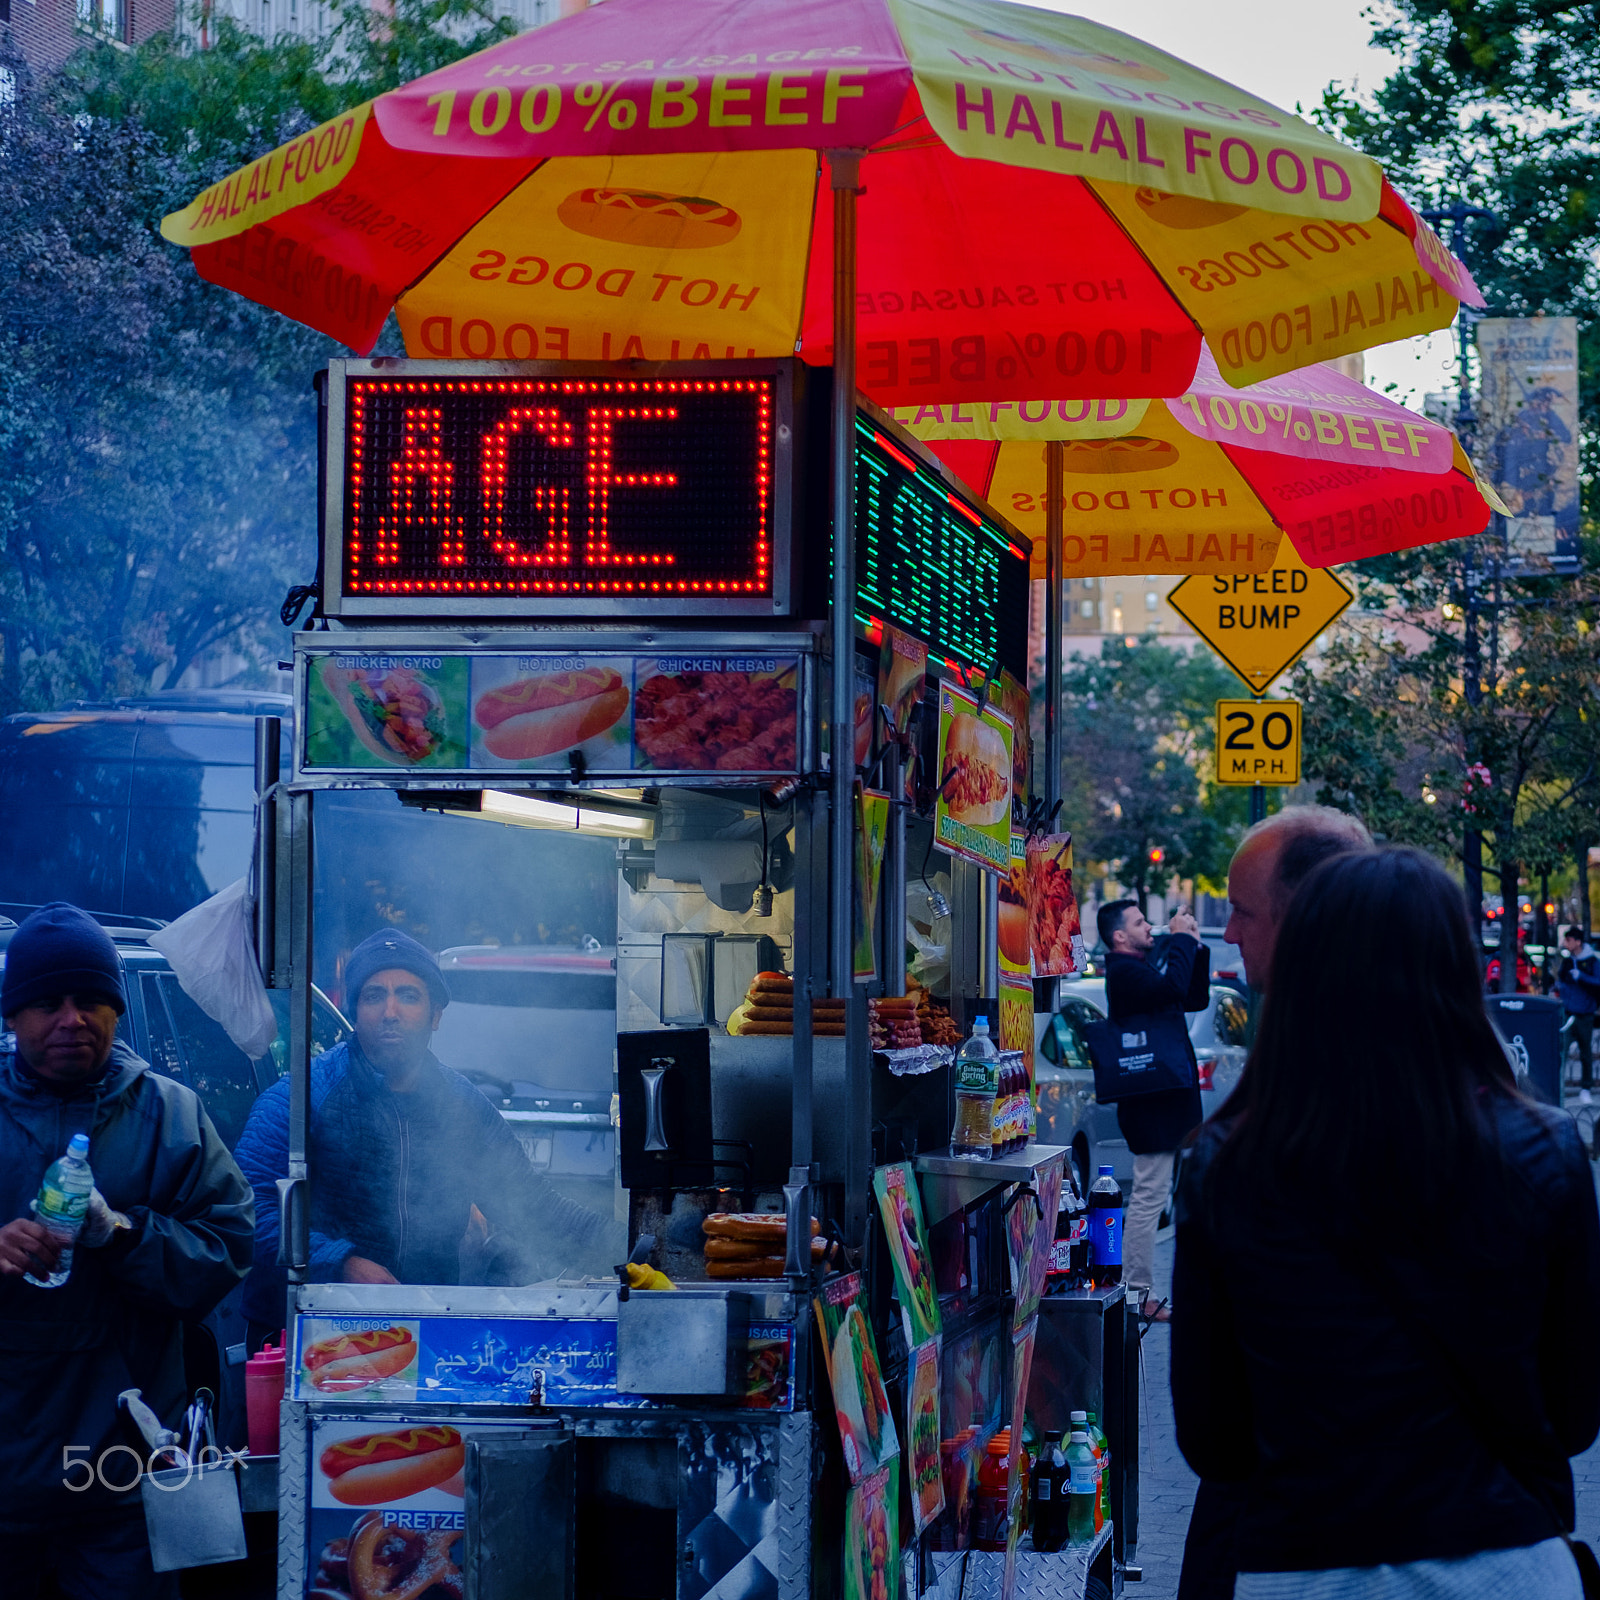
(167, 1232)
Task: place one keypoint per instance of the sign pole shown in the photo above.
(1258, 796)
(1054, 604)
(845, 168)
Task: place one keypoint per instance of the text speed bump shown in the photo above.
(1258, 741)
(1260, 623)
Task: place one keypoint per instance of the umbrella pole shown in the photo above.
(1054, 618)
(845, 169)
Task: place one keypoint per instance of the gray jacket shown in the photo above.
(117, 1322)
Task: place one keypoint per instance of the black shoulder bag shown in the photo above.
(1141, 1054)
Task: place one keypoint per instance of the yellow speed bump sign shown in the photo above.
(1258, 741)
(1260, 623)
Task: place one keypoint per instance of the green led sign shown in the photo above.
(931, 562)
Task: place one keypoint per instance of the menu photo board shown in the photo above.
(721, 715)
(972, 807)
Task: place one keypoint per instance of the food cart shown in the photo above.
(599, 597)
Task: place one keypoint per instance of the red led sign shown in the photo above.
(565, 489)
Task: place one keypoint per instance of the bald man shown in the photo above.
(1273, 859)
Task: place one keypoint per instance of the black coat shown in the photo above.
(1154, 1123)
(1345, 1426)
(117, 1322)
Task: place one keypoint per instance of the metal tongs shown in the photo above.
(198, 1427)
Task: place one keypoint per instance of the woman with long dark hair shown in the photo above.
(1387, 1282)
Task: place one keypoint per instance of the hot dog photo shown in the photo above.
(378, 1359)
(374, 1468)
(532, 712)
(388, 1508)
(649, 220)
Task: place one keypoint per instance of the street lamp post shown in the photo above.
(1456, 217)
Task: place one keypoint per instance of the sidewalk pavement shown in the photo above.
(1167, 1486)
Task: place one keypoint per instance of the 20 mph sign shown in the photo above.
(1258, 741)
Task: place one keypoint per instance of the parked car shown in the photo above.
(1227, 960)
(1070, 1115)
(178, 1039)
(143, 805)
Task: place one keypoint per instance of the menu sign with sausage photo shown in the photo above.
(475, 1361)
(531, 712)
(1015, 953)
(388, 1507)
(477, 713)
(972, 810)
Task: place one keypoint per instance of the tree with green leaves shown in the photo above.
(159, 495)
(1390, 733)
(1496, 104)
(1137, 739)
(1493, 106)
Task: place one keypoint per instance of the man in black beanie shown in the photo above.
(166, 1235)
(410, 1163)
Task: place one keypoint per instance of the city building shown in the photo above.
(43, 33)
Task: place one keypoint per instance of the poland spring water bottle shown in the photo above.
(62, 1203)
(1083, 1489)
(977, 1082)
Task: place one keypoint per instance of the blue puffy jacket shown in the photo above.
(394, 1178)
(117, 1321)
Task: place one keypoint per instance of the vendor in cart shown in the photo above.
(415, 1176)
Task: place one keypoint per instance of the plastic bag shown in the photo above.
(928, 932)
(212, 951)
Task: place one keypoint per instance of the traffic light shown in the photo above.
(1157, 855)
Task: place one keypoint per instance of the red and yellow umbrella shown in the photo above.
(1209, 481)
(1015, 205)
(1051, 209)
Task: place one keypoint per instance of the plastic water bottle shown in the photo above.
(1105, 1230)
(62, 1204)
(977, 1082)
(1083, 1489)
